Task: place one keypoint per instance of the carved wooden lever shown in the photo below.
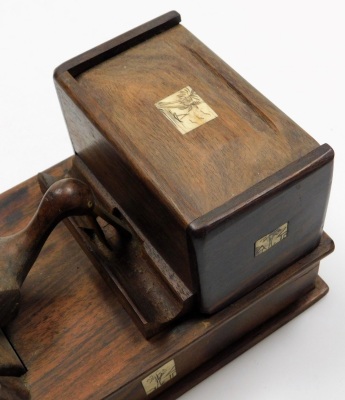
(18, 252)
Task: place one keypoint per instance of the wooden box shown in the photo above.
(227, 189)
(219, 201)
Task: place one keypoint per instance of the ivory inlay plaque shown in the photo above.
(186, 110)
(271, 239)
(159, 377)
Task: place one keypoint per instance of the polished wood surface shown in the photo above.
(93, 140)
(146, 286)
(12, 388)
(174, 182)
(71, 332)
(10, 364)
(224, 239)
(197, 172)
(19, 251)
(77, 342)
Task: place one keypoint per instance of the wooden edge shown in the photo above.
(293, 172)
(90, 58)
(245, 343)
(12, 388)
(292, 272)
(172, 292)
(81, 171)
(10, 364)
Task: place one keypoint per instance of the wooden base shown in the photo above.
(77, 342)
(245, 343)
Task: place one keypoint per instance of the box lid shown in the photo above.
(245, 140)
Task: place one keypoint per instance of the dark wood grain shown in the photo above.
(12, 388)
(239, 347)
(119, 44)
(174, 180)
(146, 286)
(223, 241)
(77, 342)
(272, 185)
(19, 251)
(10, 364)
(223, 158)
(194, 206)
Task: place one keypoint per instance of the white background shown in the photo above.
(292, 51)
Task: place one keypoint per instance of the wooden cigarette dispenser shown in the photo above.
(198, 201)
